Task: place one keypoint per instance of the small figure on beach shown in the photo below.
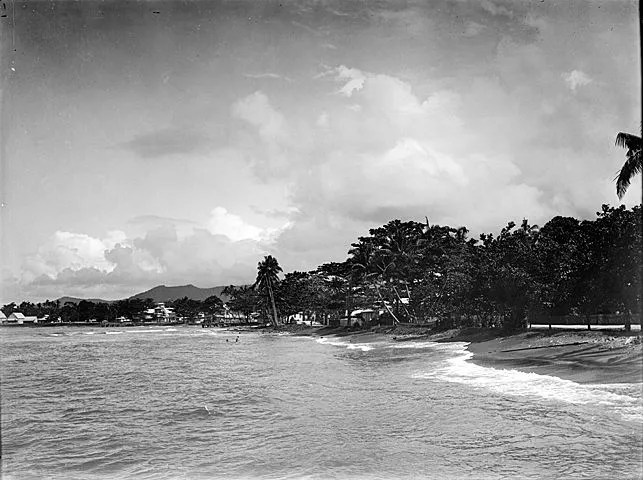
(236, 340)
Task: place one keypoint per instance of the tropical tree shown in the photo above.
(186, 307)
(632, 164)
(267, 277)
(243, 299)
(212, 305)
(9, 308)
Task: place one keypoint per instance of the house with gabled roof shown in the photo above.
(17, 318)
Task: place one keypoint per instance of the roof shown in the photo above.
(17, 315)
(366, 310)
(2, 315)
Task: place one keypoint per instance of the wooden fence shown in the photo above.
(597, 319)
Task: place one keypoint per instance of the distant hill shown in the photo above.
(166, 294)
(76, 300)
(162, 294)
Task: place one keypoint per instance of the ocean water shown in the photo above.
(193, 403)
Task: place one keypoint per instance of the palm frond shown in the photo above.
(629, 141)
(631, 167)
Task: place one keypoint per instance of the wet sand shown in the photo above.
(605, 356)
(583, 357)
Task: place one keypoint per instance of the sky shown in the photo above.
(147, 143)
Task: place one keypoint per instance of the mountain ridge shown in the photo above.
(161, 293)
(77, 300)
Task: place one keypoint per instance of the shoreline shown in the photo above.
(581, 356)
(596, 357)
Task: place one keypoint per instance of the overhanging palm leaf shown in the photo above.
(632, 165)
(629, 141)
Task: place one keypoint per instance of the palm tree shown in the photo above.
(268, 276)
(632, 165)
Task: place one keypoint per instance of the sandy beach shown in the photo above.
(599, 356)
(580, 356)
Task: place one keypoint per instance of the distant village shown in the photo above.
(159, 314)
(162, 314)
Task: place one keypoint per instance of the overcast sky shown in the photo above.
(179, 142)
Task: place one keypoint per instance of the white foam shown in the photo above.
(207, 332)
(326, 341)
(350, 346)
(113, 333)
(623, 398)
(451, 346)
(360, 346)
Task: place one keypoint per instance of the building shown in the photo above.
(360, 318)
(160, 314)
(17, 318)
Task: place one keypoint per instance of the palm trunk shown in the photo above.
(385, 305)
(412, 317)
(272, 301)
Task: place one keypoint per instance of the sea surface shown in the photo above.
(191, 403)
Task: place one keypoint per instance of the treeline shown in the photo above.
(417, 273)
(133, 309)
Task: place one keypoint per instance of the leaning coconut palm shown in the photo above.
(267, 277)
(632, 165)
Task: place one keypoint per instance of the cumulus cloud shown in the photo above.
(71, 250)
(270, 140)
(257, 111)
(383, 152)
(232, 226)
(120, 265)
(575, 79)
(354, 80)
